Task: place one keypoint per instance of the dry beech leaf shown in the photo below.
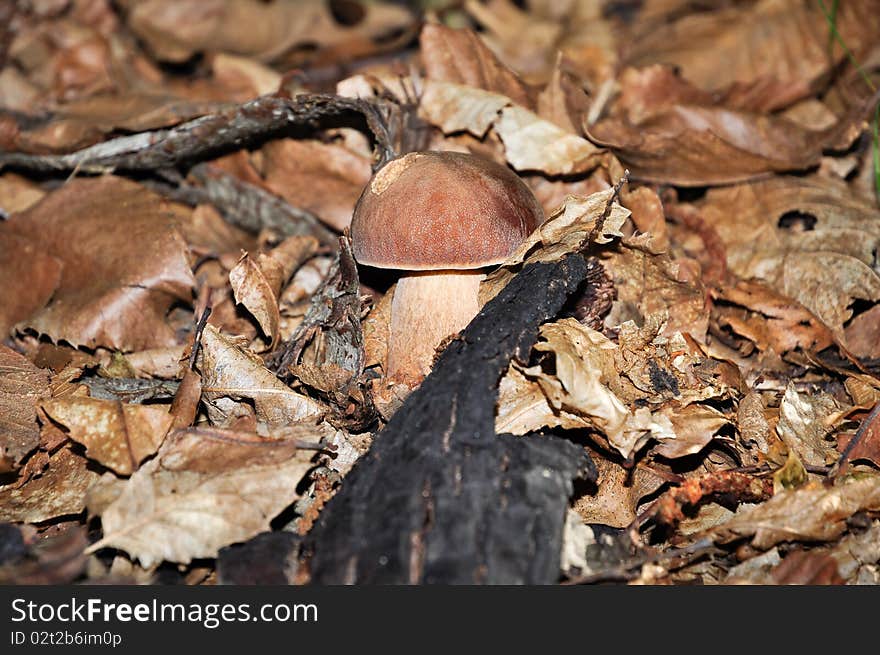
(58, 490)
(461, 57)
(868, 447)
(599, 385)
(771, 321)
(767, 54)
(653, 284)
(458, 108)
(694, 427)
(804, 425)
(22, 387)
(124, 264)
(323, 178)
(24, 260)
(809, 513)
(185, 406)
(118, 435)
(257, 284)
(564, 232)
(174, 30)
(810, 239)
(202, 491)
(530, 142)
(231, 376)
(618, 492)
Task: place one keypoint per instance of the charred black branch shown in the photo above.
(440, 498)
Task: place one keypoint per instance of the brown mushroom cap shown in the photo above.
(442, 210)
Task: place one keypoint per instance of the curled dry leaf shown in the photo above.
(202, 491)
(461, 57)
(257, 284)
(530, 142)
(592, 386)
(804, 425)
(232, 377)
(22, 387)
(58, 490)
(809, 513)
(565, 231)
(618, 492)
(118, 435)
(124, 264)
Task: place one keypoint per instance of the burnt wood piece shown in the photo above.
(206, 137)
(440, 498)
(267, 559)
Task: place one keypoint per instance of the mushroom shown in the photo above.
(441, 218)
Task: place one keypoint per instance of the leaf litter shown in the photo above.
(720, 367)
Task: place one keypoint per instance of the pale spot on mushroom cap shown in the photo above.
(391, 171)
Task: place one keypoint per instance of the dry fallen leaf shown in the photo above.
(809, 513)
(118, 435)
(766, 54)
(531, 143)
(804, 425)
(22, 387)
(58, 490)
(124, 264)
(232, 377)
(257, 284)
(201, 492)
(809, 239)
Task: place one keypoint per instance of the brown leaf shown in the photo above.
(809, 513)
(802, 567)
(771, 53)
(867, 448)
(694, 427)
(809, 239)
(257, 284)
(201, 492)
(771, 321)
(325, 179)
(231, 376)
(24, 260)
(124, 264)
(59, 490)
(804, 425)
(174, 30)
(185, 406)
(118, 435)
(460, 57)
(618, 492)
(22, 387)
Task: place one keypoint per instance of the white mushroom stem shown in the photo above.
(428, 307)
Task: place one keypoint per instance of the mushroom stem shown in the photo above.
(428, 307)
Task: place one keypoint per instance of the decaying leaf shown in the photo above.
(118, 435)
(58, 490)
(566, 230)
(531, 143)
(22, 387)
(124, 264)
(804, 426)
(232, 377)
(258, 283)
(809, 513)
(767, 54)
(809, 239)
(202, 492)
